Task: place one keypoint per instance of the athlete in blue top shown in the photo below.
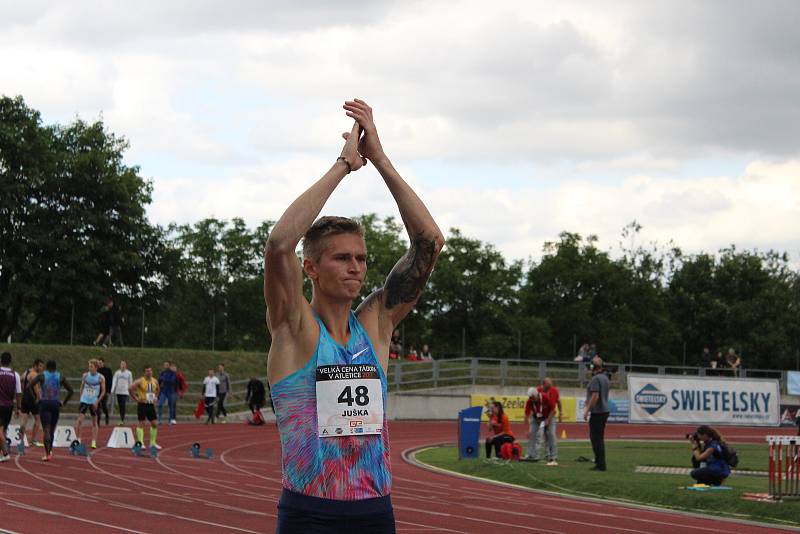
(327, 366)
(50, 383)
(93, 388)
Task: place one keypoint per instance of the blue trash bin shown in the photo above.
(469, 432)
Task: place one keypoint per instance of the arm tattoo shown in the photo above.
(404, 284)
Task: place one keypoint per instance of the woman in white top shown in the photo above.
(119, 387)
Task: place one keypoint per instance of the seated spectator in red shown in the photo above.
(499, 430)
(412, 354)
(426, 353)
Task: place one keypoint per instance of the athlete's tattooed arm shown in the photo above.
(404, 284)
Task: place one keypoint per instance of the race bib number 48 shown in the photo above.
(349, 400)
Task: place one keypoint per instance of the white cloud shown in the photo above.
(243, 102)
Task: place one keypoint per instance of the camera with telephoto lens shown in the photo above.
(693, 436)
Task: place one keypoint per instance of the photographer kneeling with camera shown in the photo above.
(709, 456)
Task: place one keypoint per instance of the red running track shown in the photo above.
(237, 491)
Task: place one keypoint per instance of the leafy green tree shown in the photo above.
(74, 227)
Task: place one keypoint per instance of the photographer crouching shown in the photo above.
(709, 456)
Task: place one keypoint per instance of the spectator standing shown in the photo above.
(734, 361)
(114, 323)
(210, 391)
(104, 326)
(549, 390)
(499, 430)
(222, 392)
(120, 384)
(597, 406)
(426, 353)
(10, 401)
(30, 404)
(183, 385)
(168, 392)
(395, 347)
(717, 362)
(104, 402)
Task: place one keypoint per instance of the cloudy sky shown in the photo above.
(513, 120)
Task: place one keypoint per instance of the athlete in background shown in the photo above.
(145, 392)
(10, 400)
(93, 387)
(30, 408)
(335, 453)
(47, 386)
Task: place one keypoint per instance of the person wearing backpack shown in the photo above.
(711, 456)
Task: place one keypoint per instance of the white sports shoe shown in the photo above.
(173, 422)
(5, 458)
(552, 463)
(158, 447)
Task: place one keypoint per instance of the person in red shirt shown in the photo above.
(499, 430)
(538, 414)
(550, 435)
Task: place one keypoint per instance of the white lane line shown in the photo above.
(68, 516)
(4, 483)
(515, 527)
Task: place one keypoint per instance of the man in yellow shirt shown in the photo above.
(145, 392)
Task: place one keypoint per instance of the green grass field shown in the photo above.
(622, 483)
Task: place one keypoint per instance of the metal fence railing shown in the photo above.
(409, 375)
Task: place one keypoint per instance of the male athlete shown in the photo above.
(48, 393)
(145, 392)
(93, 387)
(327, 365)
(30, 408)
(10, 400)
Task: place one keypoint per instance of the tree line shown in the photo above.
(74, 230)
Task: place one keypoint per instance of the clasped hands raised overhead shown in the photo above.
(361, 142)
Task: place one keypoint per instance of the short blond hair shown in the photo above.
(95, 362)
(324, 227)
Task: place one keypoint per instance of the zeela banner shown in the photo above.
(514, 406)
(703, 400)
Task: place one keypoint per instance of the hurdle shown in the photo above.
(784, 467)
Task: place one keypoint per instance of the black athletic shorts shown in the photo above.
(29, 405)
(299, 514)
(5, 416)
(146, 411)
(88, 407)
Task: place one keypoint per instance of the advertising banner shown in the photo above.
(514, 406)
(703, 400)
(793, 386)
(789, 415)
(619, 410)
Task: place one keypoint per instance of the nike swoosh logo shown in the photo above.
(357, 354)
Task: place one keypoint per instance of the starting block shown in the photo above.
(21, 449)
(153, 452)
(194, 451)
(136, 450)
(64, 436)
(15, 436)
(121, 438)
(76, 448)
